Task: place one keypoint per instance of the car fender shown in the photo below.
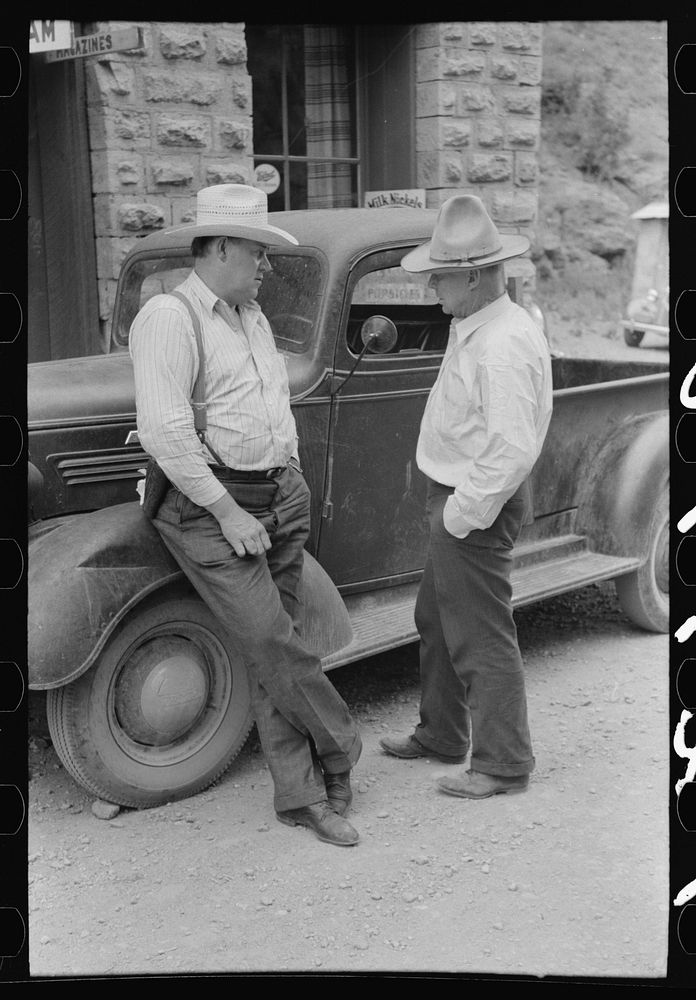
(623, 485)
(92, 570)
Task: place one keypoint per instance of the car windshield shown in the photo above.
(290, 295)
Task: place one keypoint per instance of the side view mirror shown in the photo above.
(378, 334)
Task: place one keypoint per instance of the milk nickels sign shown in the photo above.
(414, 198)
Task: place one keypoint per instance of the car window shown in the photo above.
(143, 279)
(290, 295)
(404, 298)
(161, 283)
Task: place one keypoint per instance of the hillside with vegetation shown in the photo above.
(603, 155)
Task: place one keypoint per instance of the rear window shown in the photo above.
(290, 295)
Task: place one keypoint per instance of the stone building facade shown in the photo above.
(177, 114)
(164, 121)
(478, 106)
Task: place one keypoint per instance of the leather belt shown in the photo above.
(226, 475)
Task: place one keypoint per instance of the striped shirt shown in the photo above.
(487, 414)
(250, 424)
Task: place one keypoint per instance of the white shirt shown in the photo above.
(250, 424)
(487, 414)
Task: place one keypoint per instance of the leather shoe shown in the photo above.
(326, 824)
(409, 747)
(338, 792)
(477, 785)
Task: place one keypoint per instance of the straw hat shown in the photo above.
(464, 236)
(234, 210)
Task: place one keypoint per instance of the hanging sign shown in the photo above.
(99, 44)
(47, 35)
(413, 198)
(392, 286)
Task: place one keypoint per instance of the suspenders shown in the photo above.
(198, 405)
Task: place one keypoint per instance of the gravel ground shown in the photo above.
(569, 879)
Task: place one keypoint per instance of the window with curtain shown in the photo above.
(304, 97)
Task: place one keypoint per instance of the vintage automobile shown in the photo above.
(146, 700)
(647, 314)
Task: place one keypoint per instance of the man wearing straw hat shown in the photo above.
(236, 515)
(482, 430)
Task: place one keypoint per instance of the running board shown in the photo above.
(538, 581)
(383, 619)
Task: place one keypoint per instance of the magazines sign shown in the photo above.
(98, 44)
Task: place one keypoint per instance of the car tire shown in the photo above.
(633, 337)
(644, 594)
(161, 714)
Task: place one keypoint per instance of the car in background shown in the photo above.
(647, 314)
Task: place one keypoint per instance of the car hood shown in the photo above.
(73, 389)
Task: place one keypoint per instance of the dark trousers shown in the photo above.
(304, 725)
(472, 680)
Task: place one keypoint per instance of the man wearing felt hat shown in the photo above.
(236, 513)
(482, 430)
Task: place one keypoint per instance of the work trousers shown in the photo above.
(304, 726)
(472, 680)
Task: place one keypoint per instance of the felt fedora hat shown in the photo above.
(234, 210)
(464, 236)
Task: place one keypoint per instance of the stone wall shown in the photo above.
(176, 115)
(164, 121)
(478, 115)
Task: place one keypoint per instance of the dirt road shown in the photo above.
(568, 879)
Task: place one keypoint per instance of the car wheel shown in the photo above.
(644, 594)
(633, 337)
(161, 714)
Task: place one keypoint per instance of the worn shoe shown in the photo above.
(409, 747)
(477, 785)
(326, 824)
(338, 792)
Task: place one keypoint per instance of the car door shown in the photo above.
(374, 531)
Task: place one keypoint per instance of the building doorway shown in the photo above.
(63, 312)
